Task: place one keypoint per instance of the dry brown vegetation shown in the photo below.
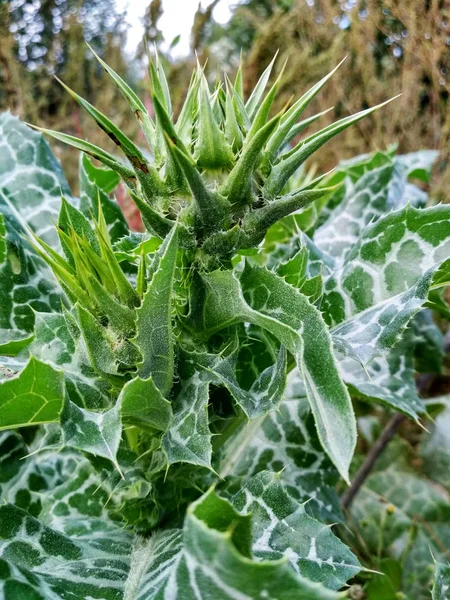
(314, 44)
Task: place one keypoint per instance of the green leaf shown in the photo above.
(58, 340)
(99, 345)
(35, 395)
(26, 285)
(31, 180)
(441, 585)
(105, 179)
(396, 505)
(428, 343)
(142, 404)
(213, 561)
(266, 390)
(281, 527)
(387, 584)
(40, 562)
(419, 164)
(290, 162)
(154, 319)
(363, 202)
(96, 433)
(188, 439)
(286, 442)
(435, 448)
(389, 380)
(385, 278)
(274, 305)
(313, 351)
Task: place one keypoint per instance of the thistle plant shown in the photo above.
(193, 384)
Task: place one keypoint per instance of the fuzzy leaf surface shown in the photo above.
(282, 527)
(154, 319)
(213, 561)
(264, 299)
(58, 340)
(142, 404)
(441, 586)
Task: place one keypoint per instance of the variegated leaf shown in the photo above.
(282, 527)
(266, 390)
(389, 380)
(58, 340)
(31, 180)
(26, 285)
(395, 503)
(154, 318)
(188, 438)
(285, 442)
(441, 585)
(96, 433)
(279, 308)
(214, 561)
(385, 279)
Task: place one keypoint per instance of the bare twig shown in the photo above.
(372, 456)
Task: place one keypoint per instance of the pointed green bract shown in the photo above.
(136, 104)
(256, 97)
(212, 207)
(95, 185)
(98, 343)
(130, 150)
(289, 163)
(237, 186)
(211, 150)
(290, 117)
(105, 157)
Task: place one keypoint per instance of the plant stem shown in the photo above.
(372, 456)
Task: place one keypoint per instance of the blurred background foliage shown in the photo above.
(391, 47)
